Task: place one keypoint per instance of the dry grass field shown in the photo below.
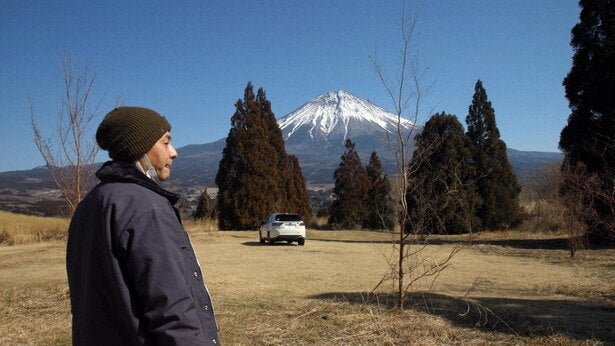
(26, 229)
(502, 288)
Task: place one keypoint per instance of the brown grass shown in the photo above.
(544, 214)
(34, 305)
(205, 225)
(24, 229)
(512, 289)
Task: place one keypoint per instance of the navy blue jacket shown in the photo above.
(132, 273)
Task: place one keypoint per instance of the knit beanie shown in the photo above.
(128, 133)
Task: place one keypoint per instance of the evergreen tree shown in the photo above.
(298, 199)
(588, 139)
(348, 210)
(380, 211)
(496, 182)
(254, 173)
(442, 191)
(294, 195)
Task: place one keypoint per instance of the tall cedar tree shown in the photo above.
(496, 182)
(348, 210)
(380, 210)
(294, 185)
(442, 192)
(588, 139)
(253, 173)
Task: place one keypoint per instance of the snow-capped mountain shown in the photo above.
(316, 132)
(332, 117)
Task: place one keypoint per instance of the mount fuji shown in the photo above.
(335, 116)
(316, 132)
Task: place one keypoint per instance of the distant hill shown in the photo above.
(525, 163)
(197, 164)
(32, 179)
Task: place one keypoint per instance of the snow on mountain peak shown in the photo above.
(339, 113)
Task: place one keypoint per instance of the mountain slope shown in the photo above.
(197, 164)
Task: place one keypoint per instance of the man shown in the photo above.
(132, 272)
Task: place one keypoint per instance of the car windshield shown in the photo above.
(287, 217)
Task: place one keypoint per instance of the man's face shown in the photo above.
(162, 155)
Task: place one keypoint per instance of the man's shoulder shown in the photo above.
(125, 194)
(123, 202)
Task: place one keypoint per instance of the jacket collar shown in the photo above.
(125, 172)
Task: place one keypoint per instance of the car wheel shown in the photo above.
(301, 242)
(269, 238)
(260, 238)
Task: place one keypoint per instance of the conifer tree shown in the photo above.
(380, 210)
(590, 88)
(247, 181)
(442, 191)
(254, 172)
(497, 185)
(294, 197)
(588, 139)
(298, 199)
(348, 210)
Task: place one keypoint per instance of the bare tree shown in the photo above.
(70, 152)
(577, 206)
(589, 194)
(408, 264)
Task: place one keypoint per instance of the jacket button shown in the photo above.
(214, 341)
(195, 274)
(205, 307)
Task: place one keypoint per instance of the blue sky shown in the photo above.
(191, 60)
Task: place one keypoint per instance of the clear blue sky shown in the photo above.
(190, 60)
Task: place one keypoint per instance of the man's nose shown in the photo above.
(173, 153)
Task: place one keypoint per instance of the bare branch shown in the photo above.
(410, 265)
(72, 166)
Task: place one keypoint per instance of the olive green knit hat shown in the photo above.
(128, 133)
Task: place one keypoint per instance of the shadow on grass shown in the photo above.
(278, 243)
(351, 241)
(544, 244)
(525, 317)
(524, 244)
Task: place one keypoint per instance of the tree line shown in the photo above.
(459, 182)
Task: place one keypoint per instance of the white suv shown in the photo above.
(282, 226)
